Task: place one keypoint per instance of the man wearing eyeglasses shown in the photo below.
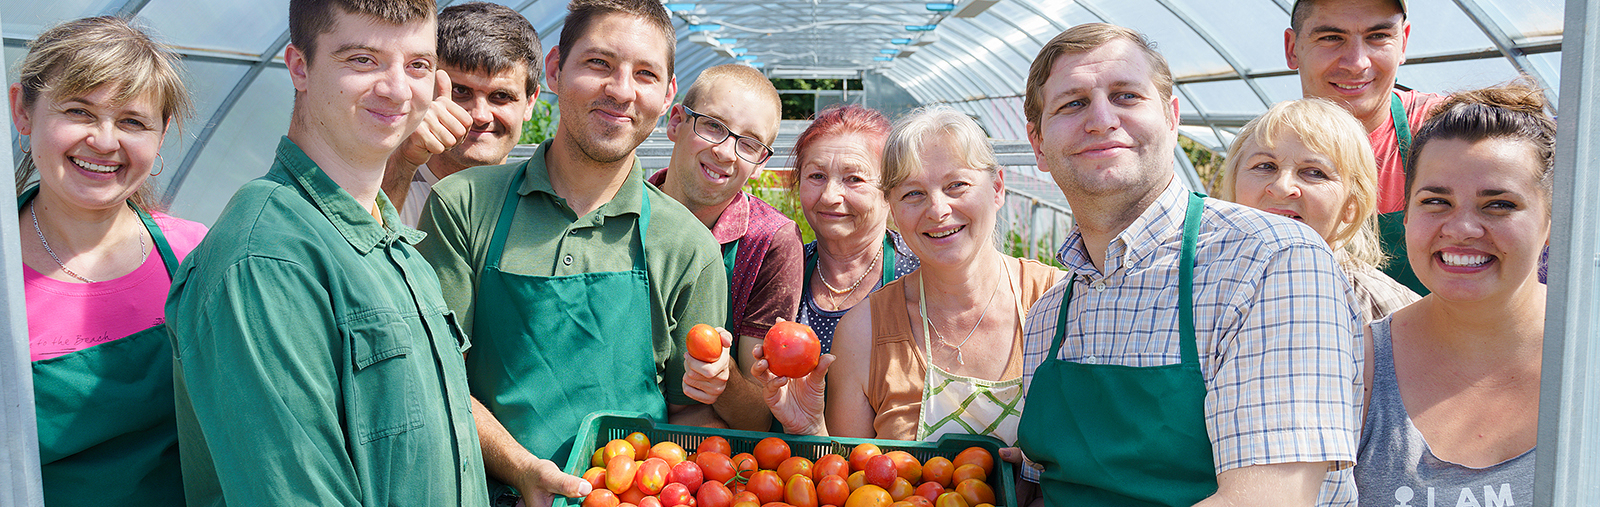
(721, 136)
(576, 281)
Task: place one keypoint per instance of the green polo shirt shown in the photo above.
(315, 362)
(688, 284)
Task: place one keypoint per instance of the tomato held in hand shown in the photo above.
(766, 486)
(770, 452)
(704, 343)
(791, 349)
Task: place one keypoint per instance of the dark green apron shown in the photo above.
(1112, 435)
(107, 430)
(730, 253)
(549, 350)
(1392, 226)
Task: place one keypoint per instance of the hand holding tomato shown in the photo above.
(795, 402)
(543, 480)
(704, 380)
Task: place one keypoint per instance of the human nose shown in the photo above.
(939, 206)
(480, 111)
(620, 86)
(103, 137)
(1462, 224)
(1357, 57)
(726, 150)
(1284, 186)
(394, 84)
(1100, 118)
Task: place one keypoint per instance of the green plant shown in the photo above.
(1015, 246)
(1207, 163)
(770, 186)
(542, 125)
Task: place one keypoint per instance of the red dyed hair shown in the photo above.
(841, 120)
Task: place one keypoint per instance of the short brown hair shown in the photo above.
(1082, 39)
(77, 57)
(310, 18)
(582, 13)
(490, 38)
(737, 74)
(1302, 10)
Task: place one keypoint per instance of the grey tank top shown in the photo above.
(1395, 467)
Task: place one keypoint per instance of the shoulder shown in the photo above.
(1420, 104)
(266, 219)
(1036, 278)
(182, 234)
(675, 235)
(475, 185)
(1233, 227)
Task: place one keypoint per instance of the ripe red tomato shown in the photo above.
(799, 491)
(929, 491)
(860, 455)
(770, 452)
(791, 349)
(937, 469)
(975, 491)
(631, 496)
(601, 498)
(915, 501)
(964, 472)
(832, 490)
(688, 474)
(976, 456)
(704, 343)
(669, 452)
(640, 443)
(746, 496)
(745, 464)
(619, 473)
(902, 489)
(713, 494)
(880, 472)
(596, 477)
(715, 467)
(649, 501)
(869, 496)
(906, 466)
(832, 464)
(766, 485)
(795, 465)
(717, 445)
(675, 494)
(652, 476)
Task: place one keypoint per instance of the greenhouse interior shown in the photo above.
(1227, 60)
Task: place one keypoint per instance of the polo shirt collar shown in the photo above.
(350, 218)
(1159, 224)
(628, 201)
(732, 224)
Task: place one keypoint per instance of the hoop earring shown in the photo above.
(163, 165)
(25, 144)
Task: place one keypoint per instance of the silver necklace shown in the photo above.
(837, 291)
(143, 252)
(986, 306)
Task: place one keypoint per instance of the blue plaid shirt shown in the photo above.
(1279, 340)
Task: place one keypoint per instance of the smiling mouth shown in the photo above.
(103, 169)
(1289, 215)
(942, 235)
(1463, 260)
(1353, 87)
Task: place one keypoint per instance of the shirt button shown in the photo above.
(572, 233)
(1090, 360)
(1100, 285)
(567, 260)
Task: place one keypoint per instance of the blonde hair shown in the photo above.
(1327, 129)
(741, 76)
(80, 56)
(902, 151)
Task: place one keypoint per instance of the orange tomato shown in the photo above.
(652, 476)
(747, 503)
(744, 464)
(965, 472)
(906, 466)
(766, 485)
(832, 490)
(976, 456)
(715, 444)
(975, 491)
(716, 467)
(704, 343)
(640, 443)
(618, 447)
(856, 480)
(937, 469)
(799, 491)
(596, 477)
(770, 452)
(601, 498)
(669, 452)
(917, 501)
(832, 464)
(619, 473)
(929, 491)
(860, 455)
(869, 496)
(951, 499)
(901, 490)
(795, 465)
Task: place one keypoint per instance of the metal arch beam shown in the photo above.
(989, 81)
(958, 83)
(998, 70)
(1227, 56)
(918, 92)
(935, 87)
(210, 127)
(129, 9)
(1506, 46)
(997, 37)
(1200, 111)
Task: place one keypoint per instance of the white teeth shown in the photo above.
(945, 234)
(1348, 87)
(95, 167)
(1451, 259)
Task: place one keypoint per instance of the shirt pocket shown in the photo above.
(382, 389)
(462, 341)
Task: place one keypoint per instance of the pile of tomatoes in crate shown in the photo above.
(630, 471)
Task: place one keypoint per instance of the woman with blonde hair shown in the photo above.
(1309, 160)
(95, 100)
(939, 350)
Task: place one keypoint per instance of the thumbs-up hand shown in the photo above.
(443, 125)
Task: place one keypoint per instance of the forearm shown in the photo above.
(503, 458)
(741, 405)
(1278, 485)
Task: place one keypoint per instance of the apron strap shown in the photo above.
(502, 226)
(1191, 234)
(168, 258)
(1061, 318)
(730, 254)
(888, 260)
(1402, 126)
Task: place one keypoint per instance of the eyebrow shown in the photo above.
(1386, 25)
(1084, 90)
(1488, 192)
(356, 46)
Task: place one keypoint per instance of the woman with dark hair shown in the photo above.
(1454, 398)
(95, 99)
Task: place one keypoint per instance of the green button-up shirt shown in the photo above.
(316, 363)
(688, 284)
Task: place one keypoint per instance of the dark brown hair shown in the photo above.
(1513, 111)
(582, 13)
(310, 18)
(492, 38)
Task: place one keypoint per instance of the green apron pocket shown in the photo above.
(382, 395)
(462, 341)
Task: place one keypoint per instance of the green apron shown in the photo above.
(549, 350)
(107, 429)
(1112, 435)
(730, 253)
(1392, 225)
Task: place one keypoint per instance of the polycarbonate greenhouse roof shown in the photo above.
(1227, 57)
